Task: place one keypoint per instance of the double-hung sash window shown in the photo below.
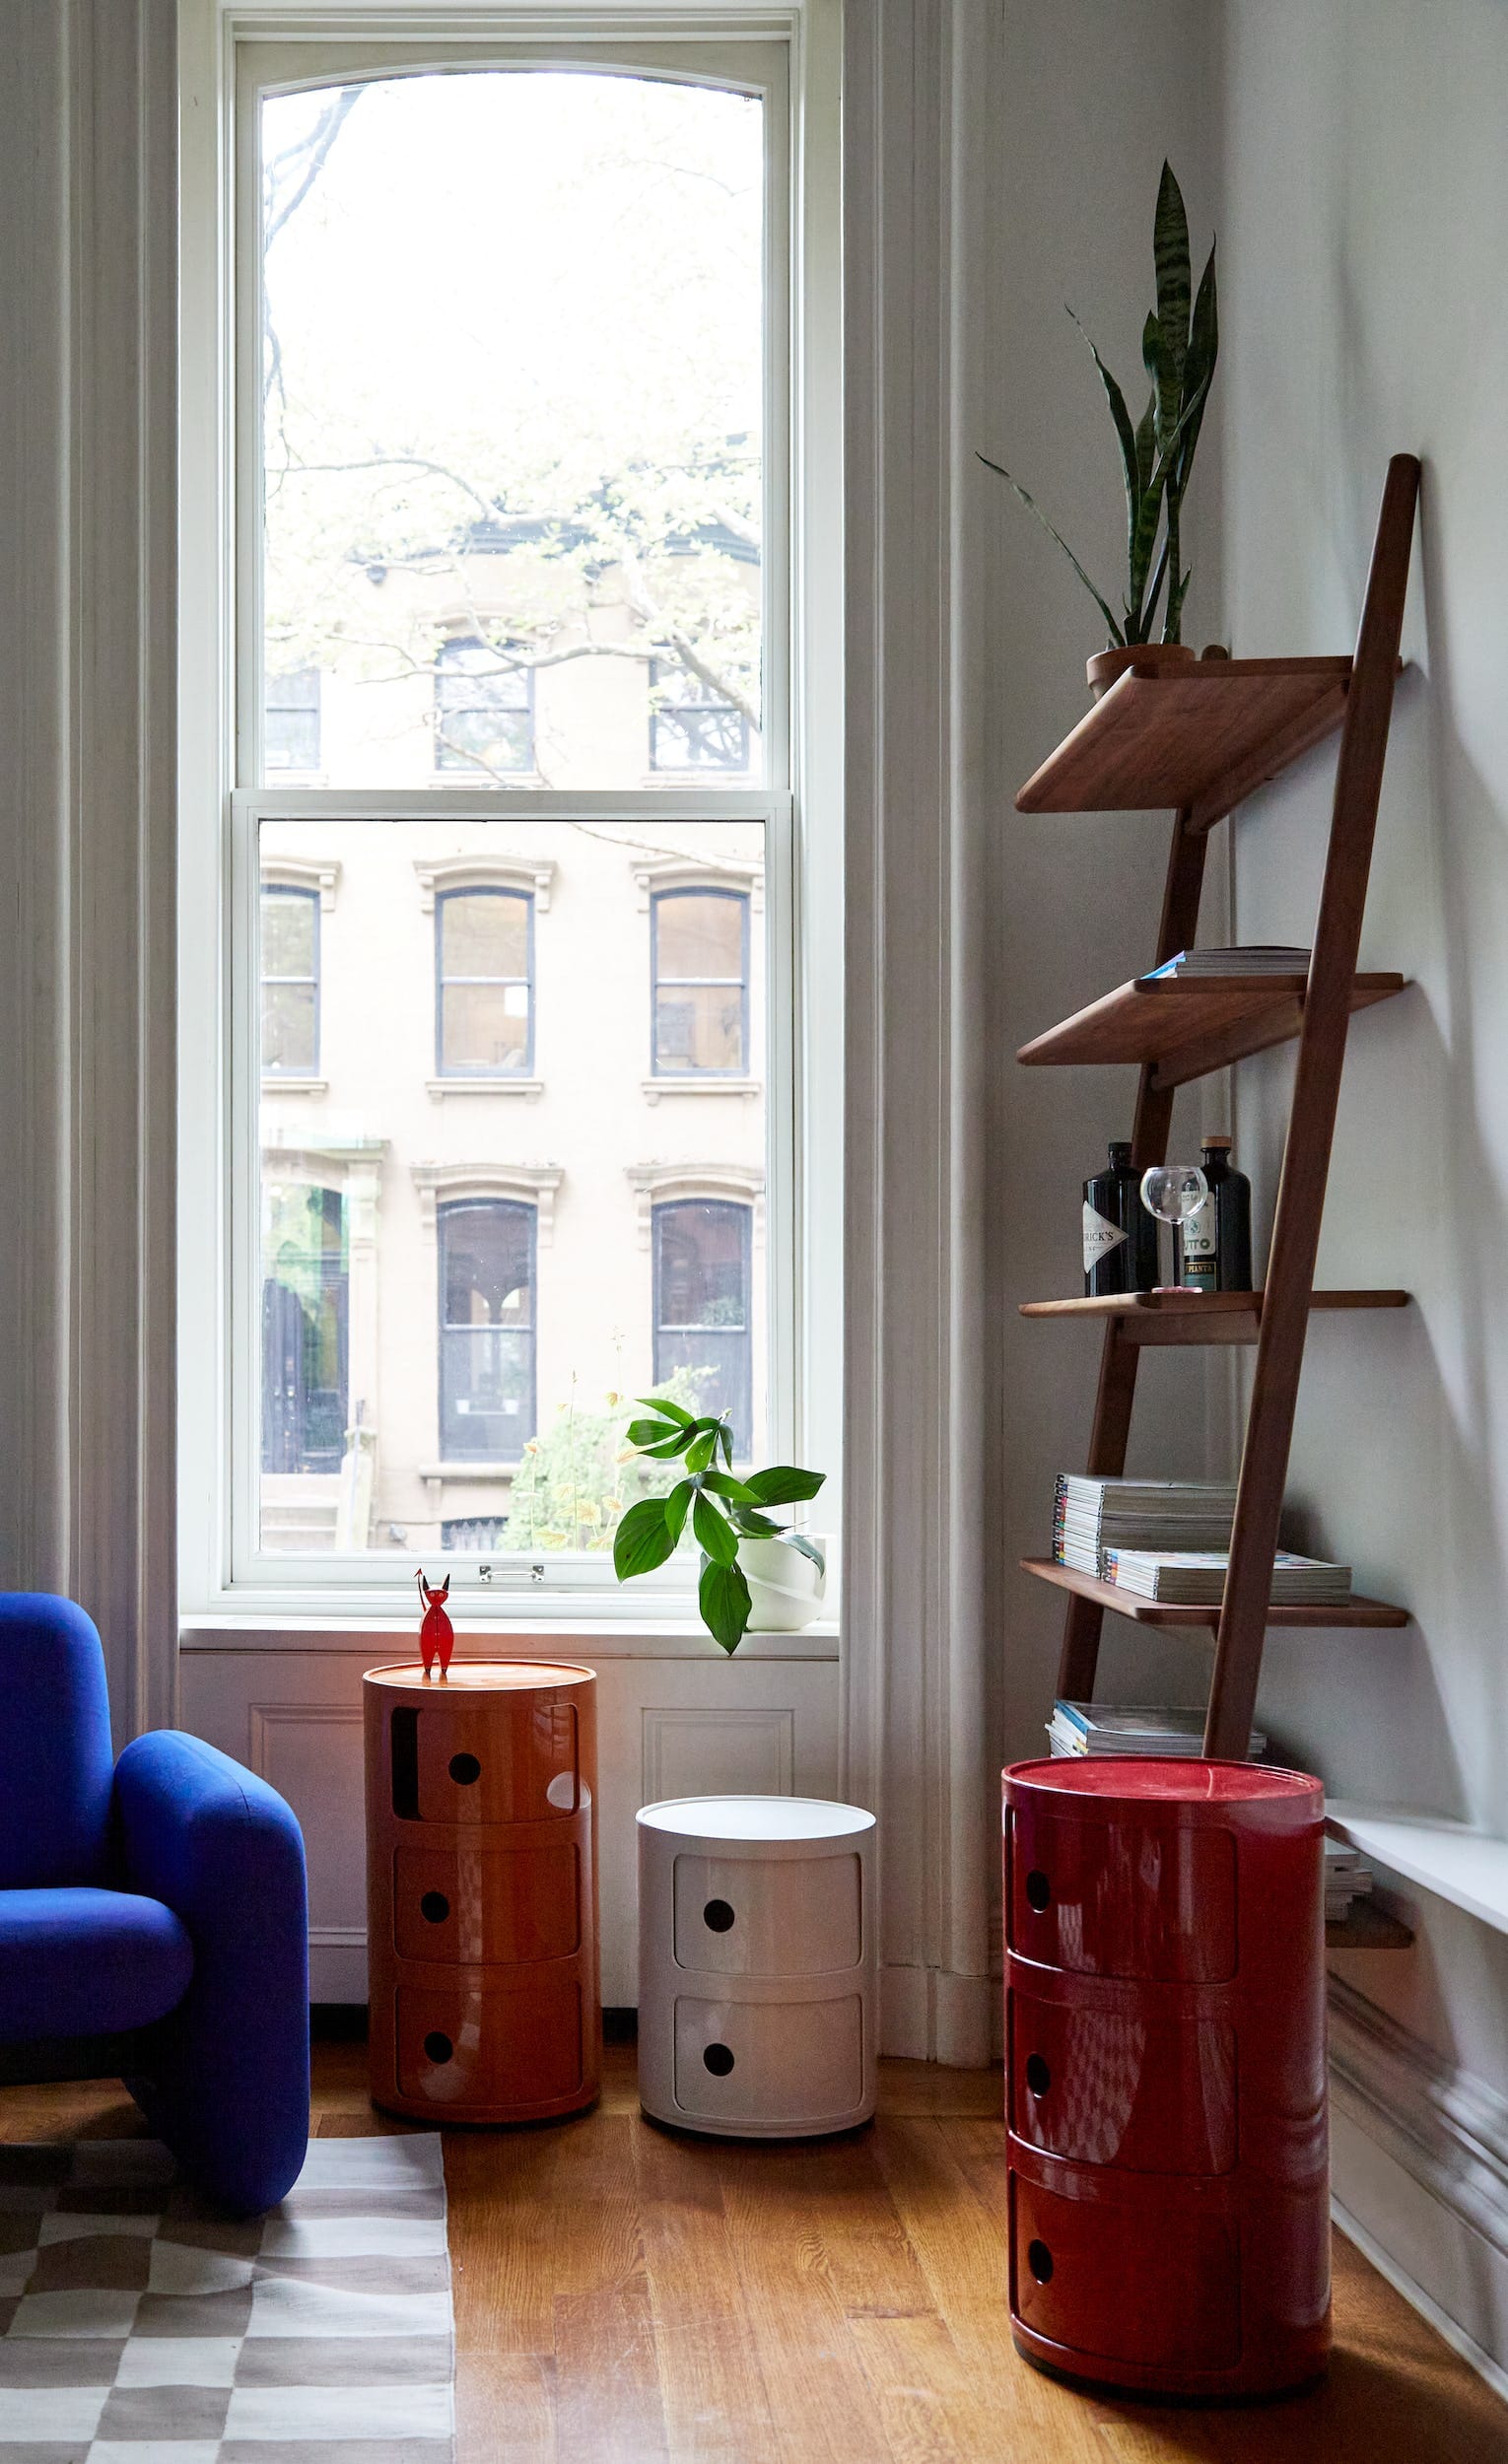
(512, 578)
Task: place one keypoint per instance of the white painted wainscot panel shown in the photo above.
(675, 1719)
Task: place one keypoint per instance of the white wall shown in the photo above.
(1364, 230)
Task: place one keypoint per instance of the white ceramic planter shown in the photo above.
(785, 1588)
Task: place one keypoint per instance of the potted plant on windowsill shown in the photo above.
(754, 1573)
(1180, 344)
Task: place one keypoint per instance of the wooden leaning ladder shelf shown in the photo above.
(1202, 739)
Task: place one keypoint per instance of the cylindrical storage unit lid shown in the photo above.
(770, 1820)
(1188, 1790)
(493, 1676)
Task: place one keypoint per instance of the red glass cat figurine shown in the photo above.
(437, 1635)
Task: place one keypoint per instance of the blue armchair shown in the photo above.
(161, 1898)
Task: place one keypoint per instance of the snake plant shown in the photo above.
(1179, 347)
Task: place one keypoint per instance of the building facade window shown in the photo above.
(290, 982)
(703, 1290)
(306, 1310)
(487, 1250)
(291, 721)
(700, 960)
(691, 725)
(484, 710)
(484, 984)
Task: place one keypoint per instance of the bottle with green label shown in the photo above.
(1119, 1236)
(1213, 1250)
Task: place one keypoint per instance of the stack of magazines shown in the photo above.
(1260, 958)
(1093, 1728)
(1092, 1516)
(1190, 1578)
(1347, 1878)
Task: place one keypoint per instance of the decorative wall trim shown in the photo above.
(773, 1729)
(297, 872)
(661, 1185)
(1445, 2127)
(439, 1185)
(88, 821)
(437, 874)
(916, 81)
(702, 873)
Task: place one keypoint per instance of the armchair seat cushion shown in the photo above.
(83, 1962)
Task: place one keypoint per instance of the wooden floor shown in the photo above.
(624, 2294)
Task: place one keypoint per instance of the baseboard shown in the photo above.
(1419, 2170)
(935, 2015)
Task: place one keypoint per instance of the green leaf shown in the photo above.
(668, 1449)
(641, 1541)
(758, 1526)
(677, 1505)
(654, 1433)
(783, 1485)
(672, 1412)
(1131, 461)
(809, 1548)
(1111, 622)
(725, 1437)
(1200, 367)
(699, 1453)
(1167, 380)
(723, 1485)
(723, 1597)
(713, 1532)
(1170, 257)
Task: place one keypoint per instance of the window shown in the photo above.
(486, 1329)
(484, 710)
(460, 538)
(692, 724)
(484, 960)
(701, 967)
(305, 1309)
(702, 1253)
(290, 982)
(291, 723)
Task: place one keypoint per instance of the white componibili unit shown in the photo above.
(757, 1965)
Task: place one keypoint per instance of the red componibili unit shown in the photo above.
(1165, 2073)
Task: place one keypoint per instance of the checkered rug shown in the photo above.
(137, 2327)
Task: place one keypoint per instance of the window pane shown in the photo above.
(699, 1026)
(699, 934)
(292, 730)
(484, 933)
(485, 1026)
(290, 921)
(289, 1028)
(569, 449)
(305, 1285)
(504, 1291)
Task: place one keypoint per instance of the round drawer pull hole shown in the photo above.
(435, 1907)
(1039, 1889)
(1039, 2078)
(438, 2045)
(464, 1770)
(1039, 2258)
(719, 2060)
(717, 1917)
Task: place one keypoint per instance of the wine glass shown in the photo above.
(1174, 1193)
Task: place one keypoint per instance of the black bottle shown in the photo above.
(1119, 1236)
(1212, 1250)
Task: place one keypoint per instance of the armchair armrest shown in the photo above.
(230, 2082)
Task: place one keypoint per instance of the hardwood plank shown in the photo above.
(1357, 1611)
(716, 2411)
(1160, 1305)
(505, 2408)
(607, 2376)
(1183, 1027)
(1203, 736)
(503, 2241)
(934, 2411)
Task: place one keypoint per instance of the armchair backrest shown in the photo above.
(56, 1766)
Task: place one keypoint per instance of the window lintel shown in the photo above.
(436, 875)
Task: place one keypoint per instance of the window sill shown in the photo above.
(691, 1084)
(295, 1086)
(535, 1633)
(438, 1089)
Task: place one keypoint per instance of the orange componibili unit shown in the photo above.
(482, 1891)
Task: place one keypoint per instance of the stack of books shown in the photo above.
(1260, 958)
(1195, 1578)
(1347, 1878)
(1093, 1728)
(1091, 1517)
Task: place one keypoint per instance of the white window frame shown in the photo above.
(790, 54)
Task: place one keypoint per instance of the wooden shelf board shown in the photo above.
(1184, 1318)
(1368, 1928)
(1200, 739)
(1185, 1027)
(1357, 1611)
(1451, 1860)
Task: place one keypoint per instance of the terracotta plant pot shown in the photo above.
(1150, 658)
